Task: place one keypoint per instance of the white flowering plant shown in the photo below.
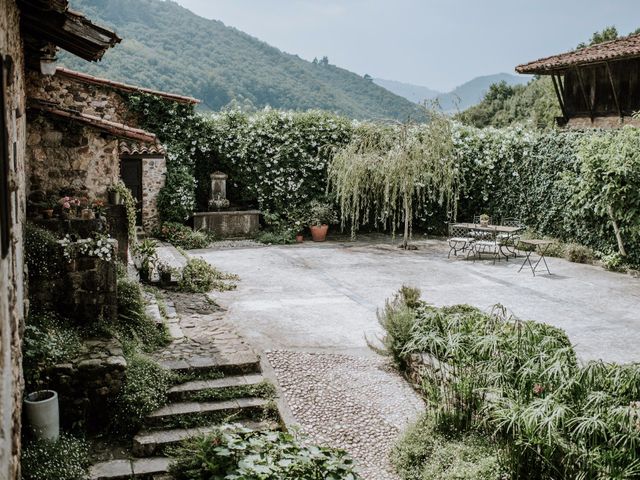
(99, 246)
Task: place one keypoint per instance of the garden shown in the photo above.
(575, 187)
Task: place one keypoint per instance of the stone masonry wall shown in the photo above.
(12, 300)
(63, 156)
(88, 385)
(601, 122)
(153, 178)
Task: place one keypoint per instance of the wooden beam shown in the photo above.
(560, 98)
(613, 88)
(584, 94)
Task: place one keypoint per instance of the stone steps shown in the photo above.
(221, 386)
(233, 364)
(192, 414)
(140, 468)
(154, 442)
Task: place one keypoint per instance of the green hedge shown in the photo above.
(277, 161)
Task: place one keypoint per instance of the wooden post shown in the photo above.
(615, 93)
(584, 93)
(559, 95)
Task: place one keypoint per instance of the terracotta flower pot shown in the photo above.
(319, 233)
(299, 238)
(47, 213)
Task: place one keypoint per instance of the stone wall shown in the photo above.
(153, 177)
(64, 156)
(88, 385)
(12, 302)
(76, 95)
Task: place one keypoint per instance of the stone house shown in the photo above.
(81, 137)
(32, 30)
(58, 130)
(596, 86)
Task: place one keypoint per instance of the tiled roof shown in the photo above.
(86, 78)
(625, 47)
(116, 129)
(131, 148)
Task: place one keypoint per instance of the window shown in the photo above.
(5, 208)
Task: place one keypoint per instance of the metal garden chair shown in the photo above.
(459, 240)
(510, 242)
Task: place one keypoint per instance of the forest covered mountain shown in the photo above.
(167, 47)
(462, 97)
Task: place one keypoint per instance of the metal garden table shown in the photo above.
(492, 231)
(540, 247)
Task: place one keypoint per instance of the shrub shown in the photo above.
(48, 341)
(200, 277)
(133, 322)
(144, 390)
(424, 454)
(176, 200)
(43, 253)
(232, 452)
(181, 236)
(614, 262)
(397, 319)
(578, 253)
(65, 459)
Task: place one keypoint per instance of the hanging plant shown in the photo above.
(130, 206)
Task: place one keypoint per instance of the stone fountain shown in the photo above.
(223, 221)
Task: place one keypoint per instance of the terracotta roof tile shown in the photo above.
(116, 129)
(625, 47)
(86, 78)
(131, 148)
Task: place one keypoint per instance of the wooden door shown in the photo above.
(131, 174)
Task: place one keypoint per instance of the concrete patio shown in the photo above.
(323, 297)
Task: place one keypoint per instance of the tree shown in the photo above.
(605, 35)
(324, 61)
(390, 172)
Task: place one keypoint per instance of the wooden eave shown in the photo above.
(51, 21)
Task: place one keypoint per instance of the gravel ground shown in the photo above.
(359, 404)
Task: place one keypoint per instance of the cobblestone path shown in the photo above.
(356, 403)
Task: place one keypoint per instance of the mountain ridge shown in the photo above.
(466, 95)
(167, 47)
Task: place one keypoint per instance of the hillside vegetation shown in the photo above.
(167, 47)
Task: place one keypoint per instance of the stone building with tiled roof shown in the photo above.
(596, 86)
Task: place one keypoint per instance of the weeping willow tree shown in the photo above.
(389, 173)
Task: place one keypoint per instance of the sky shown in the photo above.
(438, 44)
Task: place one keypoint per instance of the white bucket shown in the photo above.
(43, 415)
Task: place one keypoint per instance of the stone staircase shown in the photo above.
(221, 386)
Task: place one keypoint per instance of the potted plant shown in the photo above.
(320, 215)
(43, 414)
(484, 220)
(148, 257)
(49, 206)
(116, 193)
(165, 271)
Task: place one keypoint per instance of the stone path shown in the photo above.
(356, 403)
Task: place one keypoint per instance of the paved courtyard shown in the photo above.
(311, 308)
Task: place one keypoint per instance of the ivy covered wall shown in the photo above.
(278, 160)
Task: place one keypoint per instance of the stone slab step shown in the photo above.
(185, 411)
(147, 443)
(141, 468)
(187, 389)
(231, 364)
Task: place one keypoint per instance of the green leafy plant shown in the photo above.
(65, 459)
(144, 390)
(146, 251)
(320, 213)
(180, 235)
(614, 262)
(48, 341)
(578, 253)
(200, 277)
(43, 252)
(176, 200)
(133, 323)
(234, 452)
(130, 205)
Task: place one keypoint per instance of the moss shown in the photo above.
(263, 389)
